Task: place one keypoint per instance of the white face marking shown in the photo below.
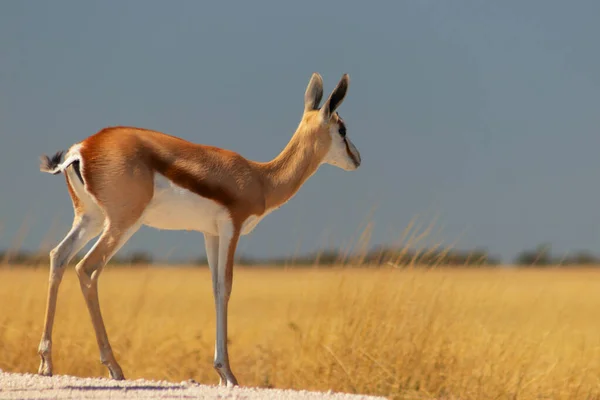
(175, 208)
(337, 154)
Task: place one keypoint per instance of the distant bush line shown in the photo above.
(539, 256)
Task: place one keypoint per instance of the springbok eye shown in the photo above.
(342, 126)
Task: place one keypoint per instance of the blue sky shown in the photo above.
(484, 115)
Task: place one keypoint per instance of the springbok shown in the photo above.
(123, 177)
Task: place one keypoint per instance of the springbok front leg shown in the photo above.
(88, 271)
(222, 277)
(85, 228)
(211, 244)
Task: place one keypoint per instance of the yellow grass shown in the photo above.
(445, 333)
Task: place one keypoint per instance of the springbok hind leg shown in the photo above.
(88, 271)
(85, 228)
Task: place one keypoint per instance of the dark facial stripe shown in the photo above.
(350, 154)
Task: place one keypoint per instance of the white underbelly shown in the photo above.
(175, 208)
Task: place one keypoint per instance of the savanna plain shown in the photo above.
(443, 333)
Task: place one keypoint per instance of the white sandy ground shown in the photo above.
(33, 386)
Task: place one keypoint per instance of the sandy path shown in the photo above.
(33, 386)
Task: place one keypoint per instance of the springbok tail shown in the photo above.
(53, 165)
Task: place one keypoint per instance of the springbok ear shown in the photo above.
(336, 98)
(314, 93)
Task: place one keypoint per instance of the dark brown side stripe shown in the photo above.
(188, 181)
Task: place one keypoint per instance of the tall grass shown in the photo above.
(403, 333)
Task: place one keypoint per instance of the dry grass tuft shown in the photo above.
(469, 334)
